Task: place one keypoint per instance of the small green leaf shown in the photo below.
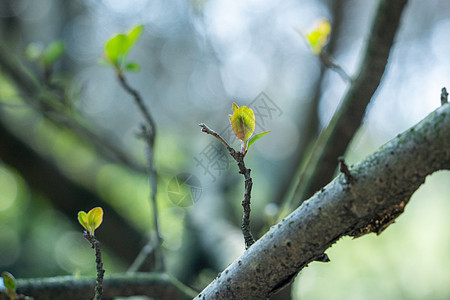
(243, 123)
(133, 67)
(82, 219)
(9, 281)
(235, 106)
(94, 219)
(132, 37)
(117, 48)
(255, 138)
(318, 37)
(114, 49)
(52, 52)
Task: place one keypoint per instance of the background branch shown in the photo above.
(320, 164)
(149, 135)
(153, 285)
(383, 185)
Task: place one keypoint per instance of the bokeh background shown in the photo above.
(197, 57)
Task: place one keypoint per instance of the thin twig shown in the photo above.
(98, 260)
(326, 59)
(239, 158)
(343, 168)
(208, 130)
(149, 134)
(140, 103)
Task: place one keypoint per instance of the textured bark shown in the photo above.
(383, 185)
(160, 286)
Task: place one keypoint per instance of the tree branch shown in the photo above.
(149, 135)
(98, 261)
(383, 185)
(153, 285)
(334, 140)
(239, 158)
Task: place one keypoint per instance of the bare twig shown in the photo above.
(148, 132)
(208, 130)
(98, 260)
(326, 59)
(239, 158)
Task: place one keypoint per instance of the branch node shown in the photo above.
(322, 258)
(444, 96)
(345, 170)
(328, 62)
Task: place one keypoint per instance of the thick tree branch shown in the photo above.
(153, 285)
(333, 142)
(383, 185)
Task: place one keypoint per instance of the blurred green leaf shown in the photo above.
(117, 48)
(318, 37)
(243, 123)
(9, 281)
(133, 67)
(52, 52)
(255, 138)
(114, 49)
(132, 37)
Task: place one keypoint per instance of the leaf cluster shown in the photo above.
(91, 220)
(117, 49)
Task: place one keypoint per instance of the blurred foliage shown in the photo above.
(117, 48)
(45, 56)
